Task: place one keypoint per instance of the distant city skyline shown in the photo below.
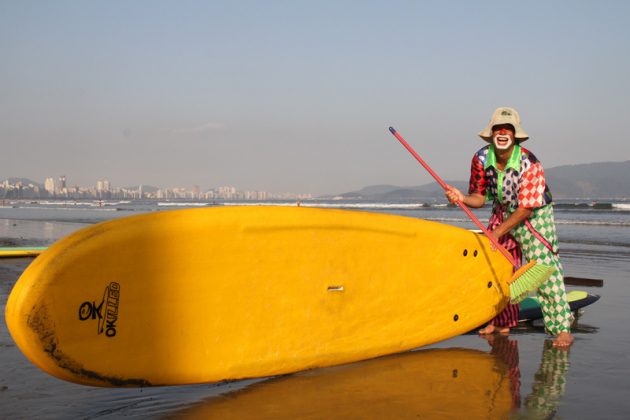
(103, 189)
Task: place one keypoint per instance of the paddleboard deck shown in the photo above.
(205, 295)
(530, 307)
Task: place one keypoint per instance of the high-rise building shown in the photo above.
(103, 186)
(49, 186)
(226, 192)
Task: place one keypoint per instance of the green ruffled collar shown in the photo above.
(514, 161)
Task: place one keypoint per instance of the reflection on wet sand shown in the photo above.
(506, 350)
(549, 382)
(437, 383)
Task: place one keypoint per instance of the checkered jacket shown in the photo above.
(521, 184)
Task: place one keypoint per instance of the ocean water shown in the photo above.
(516, 376)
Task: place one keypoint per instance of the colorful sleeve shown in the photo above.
(532, 189)
(477, 182)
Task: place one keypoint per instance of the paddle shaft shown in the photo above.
(463, 206)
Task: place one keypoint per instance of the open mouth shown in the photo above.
(502, 140)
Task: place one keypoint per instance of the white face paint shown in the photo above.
(502, 141)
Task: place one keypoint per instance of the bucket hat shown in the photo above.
(504, 115)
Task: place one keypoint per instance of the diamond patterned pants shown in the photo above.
(551, 294)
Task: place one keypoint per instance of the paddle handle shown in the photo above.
(463, 206)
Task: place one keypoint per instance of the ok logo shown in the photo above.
(89, 310)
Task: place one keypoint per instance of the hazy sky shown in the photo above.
(298, 95)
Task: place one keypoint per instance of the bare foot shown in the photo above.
(563, 341)
(490, 329)
(503, 330)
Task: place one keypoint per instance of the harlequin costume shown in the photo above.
(522, 184)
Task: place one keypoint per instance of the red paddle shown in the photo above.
(459, 203)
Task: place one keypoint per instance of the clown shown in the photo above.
(522, 219)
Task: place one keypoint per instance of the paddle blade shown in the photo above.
(580, 281)
(527, 279)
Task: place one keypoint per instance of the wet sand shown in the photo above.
(466, 376)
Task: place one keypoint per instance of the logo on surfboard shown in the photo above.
(105, 312)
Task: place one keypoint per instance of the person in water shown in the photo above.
(522, 218)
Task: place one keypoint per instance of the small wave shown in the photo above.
(338, 205)
(594, 205)
(592, 223)
(454, 219)
(116, 203)
(367, 206)
(597, 242)
(558, 222)
(66, 205)
(73, 203)
(67, 208)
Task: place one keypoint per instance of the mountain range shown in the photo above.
(585, 181)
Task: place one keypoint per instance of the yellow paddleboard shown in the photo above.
(438, 383)
(203, 295)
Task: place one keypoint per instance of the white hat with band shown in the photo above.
(505, 115)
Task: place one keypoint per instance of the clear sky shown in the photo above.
(297, 96)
